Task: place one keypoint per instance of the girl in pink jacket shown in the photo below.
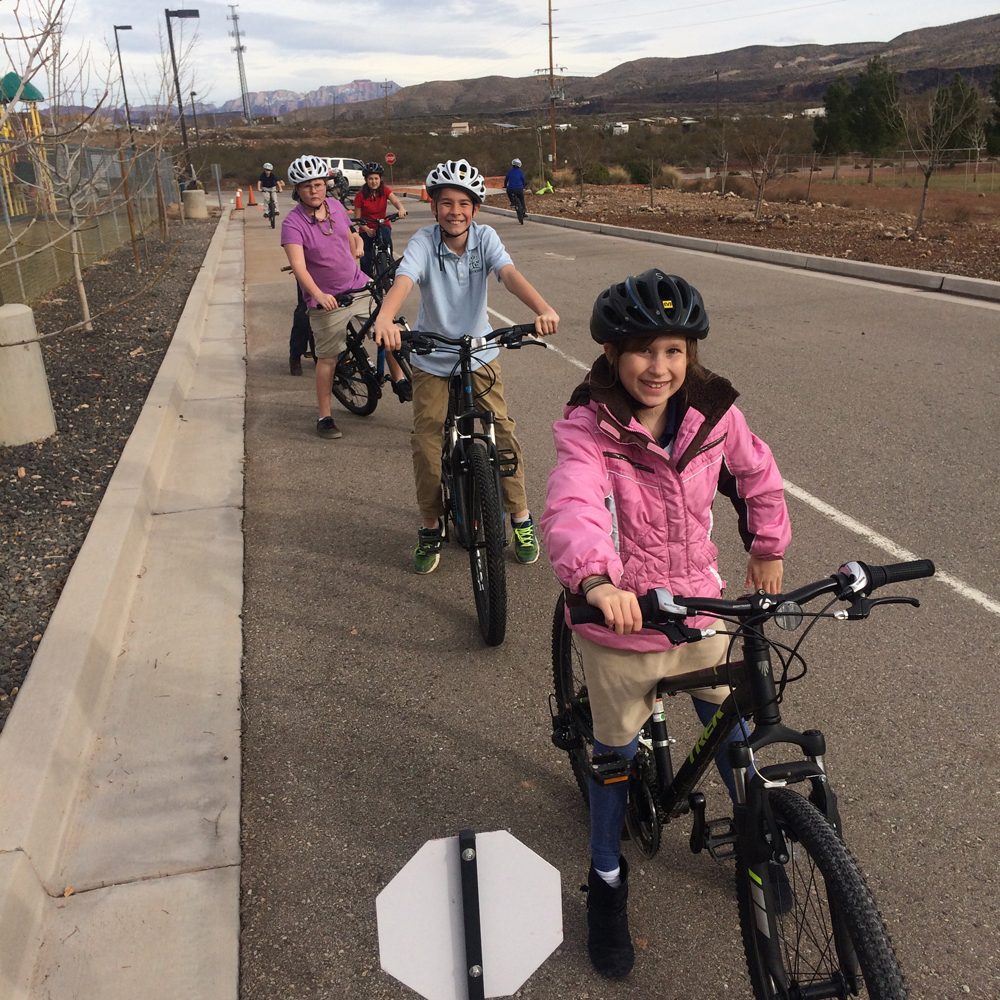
(645, 443)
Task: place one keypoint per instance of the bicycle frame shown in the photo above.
(754, 696)
(459, 432)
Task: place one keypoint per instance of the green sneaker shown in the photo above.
(428, 552)
(526, 546)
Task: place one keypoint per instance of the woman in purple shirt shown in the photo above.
(324, 254)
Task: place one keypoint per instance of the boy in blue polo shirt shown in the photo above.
(451, 262)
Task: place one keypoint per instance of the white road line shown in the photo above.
(889, 546)
(509, 322)
(837, 516)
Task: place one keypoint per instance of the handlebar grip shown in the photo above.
(589, 615)
(879, 576)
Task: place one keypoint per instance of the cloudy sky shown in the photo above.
(304, 44)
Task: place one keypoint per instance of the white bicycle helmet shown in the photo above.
(269, 166)
(459, 174)
(307, 168)
(515, 162)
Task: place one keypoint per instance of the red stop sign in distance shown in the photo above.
(390, 158)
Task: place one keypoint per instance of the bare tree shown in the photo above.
(763, 143)
(74, 179)
(932, 125)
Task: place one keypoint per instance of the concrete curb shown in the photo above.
(46, 745)
(931, 281)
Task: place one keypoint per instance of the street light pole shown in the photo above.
(177, 82)
(128, 114)
(194, 115)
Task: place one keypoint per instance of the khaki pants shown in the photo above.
(430, 408)
(622, 684)
(329, 327)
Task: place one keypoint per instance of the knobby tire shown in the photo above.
(571, 695)
(832, 941)
(486, 543)
(355, 383)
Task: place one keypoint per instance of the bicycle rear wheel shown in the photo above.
(574, 718)
(832, 942)
(486, 541)
(355, 383)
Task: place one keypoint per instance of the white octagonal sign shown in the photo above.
(421, 934)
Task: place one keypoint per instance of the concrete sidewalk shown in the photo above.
(120, 764)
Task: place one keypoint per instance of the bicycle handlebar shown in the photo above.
(425, 341)
(375, 222)
(853, 582)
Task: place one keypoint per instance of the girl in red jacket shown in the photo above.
(645, 443)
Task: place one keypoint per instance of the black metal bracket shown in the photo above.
(470, 915)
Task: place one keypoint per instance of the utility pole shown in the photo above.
(239, 48)
(385, 91)
(552, 93)
(717, 117)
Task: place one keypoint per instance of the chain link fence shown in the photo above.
(37, 217)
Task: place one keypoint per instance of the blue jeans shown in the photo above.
(368, 260)
(607, 802)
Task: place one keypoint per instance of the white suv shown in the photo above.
(352, 170)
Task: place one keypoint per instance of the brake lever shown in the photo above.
(678, 633)
(861, 607)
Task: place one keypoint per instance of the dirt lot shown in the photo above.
(962, 235)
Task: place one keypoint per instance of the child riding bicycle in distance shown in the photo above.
(645, 442)
(515, 182)
(268, 183)
(451, 262)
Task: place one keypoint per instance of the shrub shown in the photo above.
(616, 175)
(669, 177)
(639, 170)
(593, 173)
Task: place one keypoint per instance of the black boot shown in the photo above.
(608, 939)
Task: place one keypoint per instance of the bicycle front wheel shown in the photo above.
(832, 941)
(486, 541)
(354, 382)
(576, 724)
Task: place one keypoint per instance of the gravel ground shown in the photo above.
(50, 491)
(875, 235)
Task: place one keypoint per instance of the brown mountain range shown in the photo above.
(757, 73)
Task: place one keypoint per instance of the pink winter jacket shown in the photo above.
(618, 503)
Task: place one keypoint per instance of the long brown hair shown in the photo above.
(626, 344)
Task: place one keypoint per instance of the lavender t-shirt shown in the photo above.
(329, 259)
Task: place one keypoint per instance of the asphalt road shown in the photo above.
(376, 718)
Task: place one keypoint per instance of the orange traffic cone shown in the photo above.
(424, 196)
(239, 198)
(252, 202)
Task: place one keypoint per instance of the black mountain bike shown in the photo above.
(828, 939)
(358, 378)
(271, 211)
(471, 469)
(381, 254)
(516, 199)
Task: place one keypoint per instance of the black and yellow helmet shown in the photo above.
(650, 304)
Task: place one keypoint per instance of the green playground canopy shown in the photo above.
(9, 86)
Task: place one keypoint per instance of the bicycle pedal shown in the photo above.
(720, 838)
(609, 768)
(507, 460)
